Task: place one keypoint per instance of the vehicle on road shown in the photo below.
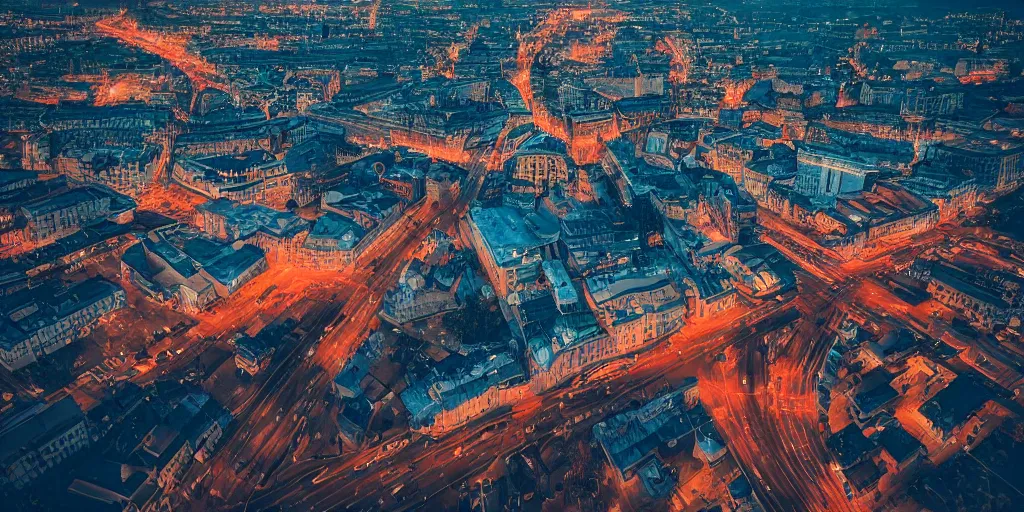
(395, 445)
(580, 418)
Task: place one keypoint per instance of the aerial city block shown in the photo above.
(511, 255)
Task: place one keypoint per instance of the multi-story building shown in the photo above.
(462, 388)
(633, 176)
(229, 221)
(252, 177)
(951, 190)
(725, 208)
(510, 246)
(996, 169)
(923, 102)
(858, 225)
(636, 306)
(651, 74)
(759, 175)
(40, 321)
(179, 264)
(65, 213)
(542, 161)
(635, 441)
(39, 438)
(189, 433)
(128, 171)
(597, 240)
(955, 288)
(822, 174)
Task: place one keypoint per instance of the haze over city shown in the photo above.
(510, 255)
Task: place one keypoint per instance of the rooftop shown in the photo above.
(506, 233)
(955, 403)
(31, 428)
(631, 437)
(244, 220)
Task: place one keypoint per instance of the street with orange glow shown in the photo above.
(511, 256)
(365, 479)
(264, 434)
(169, 47)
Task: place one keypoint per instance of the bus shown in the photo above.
(266, 293)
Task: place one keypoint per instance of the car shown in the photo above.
(397, 444)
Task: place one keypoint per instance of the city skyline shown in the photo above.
(503, 255)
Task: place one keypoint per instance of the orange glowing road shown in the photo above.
(122, 89)
(769, 415)
(202, 73)
(337, 484)
(267, 422)
(529, 47)
(583, 149)
(681, 59)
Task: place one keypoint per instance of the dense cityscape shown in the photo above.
(511, 255)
